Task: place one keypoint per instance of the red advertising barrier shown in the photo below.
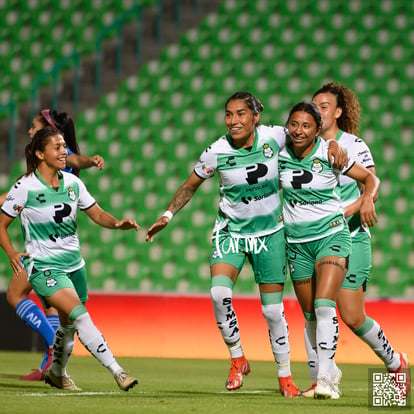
(177, 326)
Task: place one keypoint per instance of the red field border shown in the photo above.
(183, 326)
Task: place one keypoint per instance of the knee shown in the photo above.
(353, 321)
(13, 299)
(221, 295)
(273, 312)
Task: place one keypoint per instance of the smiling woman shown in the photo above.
(248, 226)
(46, 200)
(318, 239)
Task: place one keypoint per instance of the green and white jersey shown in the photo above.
(48, 220)
(349, 189)
(249, 182)
(312, 207)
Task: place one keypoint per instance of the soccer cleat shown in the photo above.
(404, 386)
(336, 380)
(64, 382)
(324, 390)
(309, 393)
(38, 374)
(125, 381)
(35, 375)
(239, 367)
(288, 388)
(49, 360)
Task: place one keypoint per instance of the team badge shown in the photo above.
(267, 151)
(71, 193)
(317, 166)
(50, 282)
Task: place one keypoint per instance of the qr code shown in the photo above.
(388, 390)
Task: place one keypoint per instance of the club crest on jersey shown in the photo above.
(317, 165)
(71, 193)
(50, 282)
(267, 151)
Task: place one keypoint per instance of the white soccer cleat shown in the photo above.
(336, 380)
(324, 390)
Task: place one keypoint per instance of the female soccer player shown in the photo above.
(46, 200)
(19, 287)
(249, 226)
(340, 111)
(318, 239)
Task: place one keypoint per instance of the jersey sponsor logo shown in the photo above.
(61, 211)
(230, 161)
(293, 203)
(234, 245)
(53, 237)
(335, 223)
(300, 177)
(41, 198)
(206, 169)
(317, 166)
(246, 200)
(267, 151)
(254, 172)
(17, 207)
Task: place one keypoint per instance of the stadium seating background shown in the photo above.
(152, 130)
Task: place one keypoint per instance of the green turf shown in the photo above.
(170, 386)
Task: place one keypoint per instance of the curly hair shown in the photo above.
(348, 102)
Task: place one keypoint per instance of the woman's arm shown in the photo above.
(82, 162)
(354, 207)
(337, 155)
(5, 243)
(183, 195)
(104, 219)
(370, 194)
(2, 198)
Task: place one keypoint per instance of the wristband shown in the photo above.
(168, 214)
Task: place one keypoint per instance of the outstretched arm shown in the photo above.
(180, 199)
(82, 162)
(104, 219)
